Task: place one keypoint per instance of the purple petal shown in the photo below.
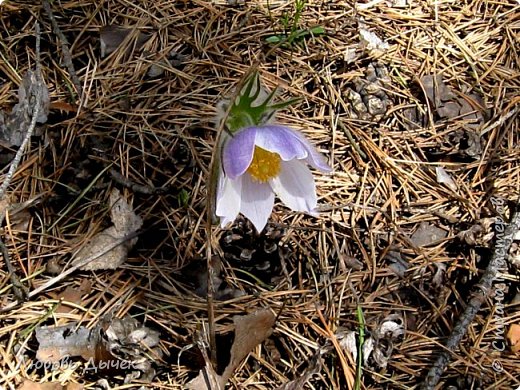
(315, 158)
(228, 198)
(289, 144)
(279, 139)
(257, 201)
(295, 186)
(238, 152)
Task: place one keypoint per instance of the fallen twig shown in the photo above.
(18, 288)
(460, 329)
(37, 106)
(67, 58)
(146, 190)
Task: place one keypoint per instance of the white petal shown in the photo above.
(295, 186)
(257, 201)
(228, 198)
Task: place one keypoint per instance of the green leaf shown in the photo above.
(249, 110)
(274, 39)
(183, 197)
(282, 105)
(318, 30)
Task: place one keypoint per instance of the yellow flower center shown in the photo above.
(265, 165)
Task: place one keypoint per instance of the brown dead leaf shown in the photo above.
(131, 347)
(398, 265)
(250, 330)
(207, 379)
(478, 234)
(99, 244)
(73, 294)
(439, 277)
(4, 207)
(371, 42)
(20, 221)
(63, 106)
(125, 222)
(30, 385)
(378, 348)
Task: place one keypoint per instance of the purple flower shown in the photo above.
(261, 161)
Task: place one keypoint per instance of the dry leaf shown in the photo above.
(207, 379)
(398, 3)
(436, 90)
(250, 330)
(72, 294)
(5, 205)
(513, 336)
(348, 341)
(444, 177)
(514, 254)
(30, 385)
(99, 244)
(174, 59)
(14, 125)
(439, 277)
(128, 347)
(58, 342)
(427, 234)
(379, 346)
(398, 265)
(371, 42)
(125, 222)
(467, 108)
(111, 37)
(382, 343)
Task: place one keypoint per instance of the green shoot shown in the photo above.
(291, 33)
(183, 198)
(361, 341)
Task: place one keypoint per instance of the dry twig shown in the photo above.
(474, 304)
(20, 290)
(67, 57)
(36, 110)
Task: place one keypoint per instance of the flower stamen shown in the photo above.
(265, 165)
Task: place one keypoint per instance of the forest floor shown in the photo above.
(415, 106)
